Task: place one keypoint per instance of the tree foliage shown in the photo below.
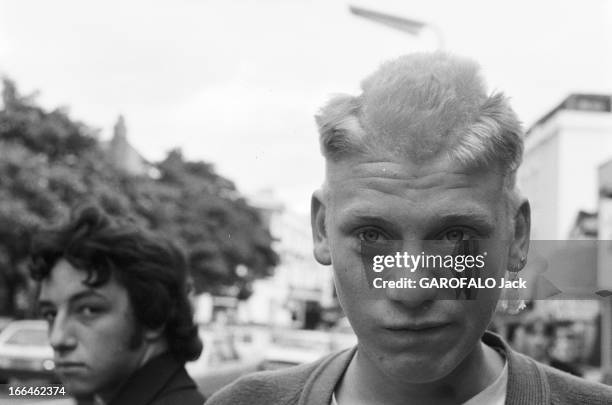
(49, 163)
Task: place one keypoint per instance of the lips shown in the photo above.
(69, 366)
(416, 327)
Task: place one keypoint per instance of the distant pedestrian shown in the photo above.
(539, 341)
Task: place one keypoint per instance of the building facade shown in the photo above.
(301, 289)
(562, 153)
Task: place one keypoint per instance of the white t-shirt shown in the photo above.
(494, 394)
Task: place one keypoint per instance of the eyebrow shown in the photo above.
(350, 217)
(477, 219)
(75, 297)
(468, 216)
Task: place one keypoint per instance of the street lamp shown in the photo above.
(410, 26)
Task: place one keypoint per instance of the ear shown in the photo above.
(319, 232)
(519, 247)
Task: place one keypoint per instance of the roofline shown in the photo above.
(563, 105)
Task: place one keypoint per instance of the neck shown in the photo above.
(153, 350)
(149, 350)
(364, 383)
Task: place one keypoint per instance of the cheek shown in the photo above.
(110, 356)
(360, 306)
(108, 340)
(109, 363)
(347, 263)
(476, 317)
(349, 278)
(344, 289)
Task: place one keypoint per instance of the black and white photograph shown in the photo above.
(306, 202)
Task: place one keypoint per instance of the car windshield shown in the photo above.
(29, 337)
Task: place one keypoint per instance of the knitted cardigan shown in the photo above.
(529, 383)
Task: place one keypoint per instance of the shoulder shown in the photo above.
(568, 389)
(161, 381)
(180, 389)
(266, 387)
(184, 397)
(535, 383)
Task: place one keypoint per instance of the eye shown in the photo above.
(88, 310)
(455, 235)
(48, 315)
(371, 235)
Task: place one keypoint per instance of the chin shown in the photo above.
(78, 388)
(419, 369)
(423, 375)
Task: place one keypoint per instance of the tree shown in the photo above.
(218, 229)
(49, 163)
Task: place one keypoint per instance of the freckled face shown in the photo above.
(418, 335)
(90, 330)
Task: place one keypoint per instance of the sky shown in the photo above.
(237, 83)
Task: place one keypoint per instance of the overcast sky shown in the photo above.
(236, 83)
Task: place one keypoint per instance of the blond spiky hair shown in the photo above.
(420, 106)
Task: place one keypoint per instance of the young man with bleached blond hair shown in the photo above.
(423, 159)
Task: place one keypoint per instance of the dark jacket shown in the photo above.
(529, 383)
(161, 381)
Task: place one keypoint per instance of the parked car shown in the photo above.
(4, 321)
(294, 346)
(220, 362)
(25, 352)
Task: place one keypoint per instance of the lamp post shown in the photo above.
(407, 25)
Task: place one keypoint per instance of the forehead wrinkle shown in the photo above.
(388, 165)
(414, 208)
(363, 210)
(462, 207)
(429, 182)
(398, 183)
(367, 202)
(383, 179)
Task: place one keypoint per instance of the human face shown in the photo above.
(90, 330)
(414, 335)
(537, 342)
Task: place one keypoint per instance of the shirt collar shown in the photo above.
(527, 383)
(146, 382)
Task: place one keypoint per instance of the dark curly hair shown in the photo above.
(153, 270)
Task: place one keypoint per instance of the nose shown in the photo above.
(413, 295)
(61, 336)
